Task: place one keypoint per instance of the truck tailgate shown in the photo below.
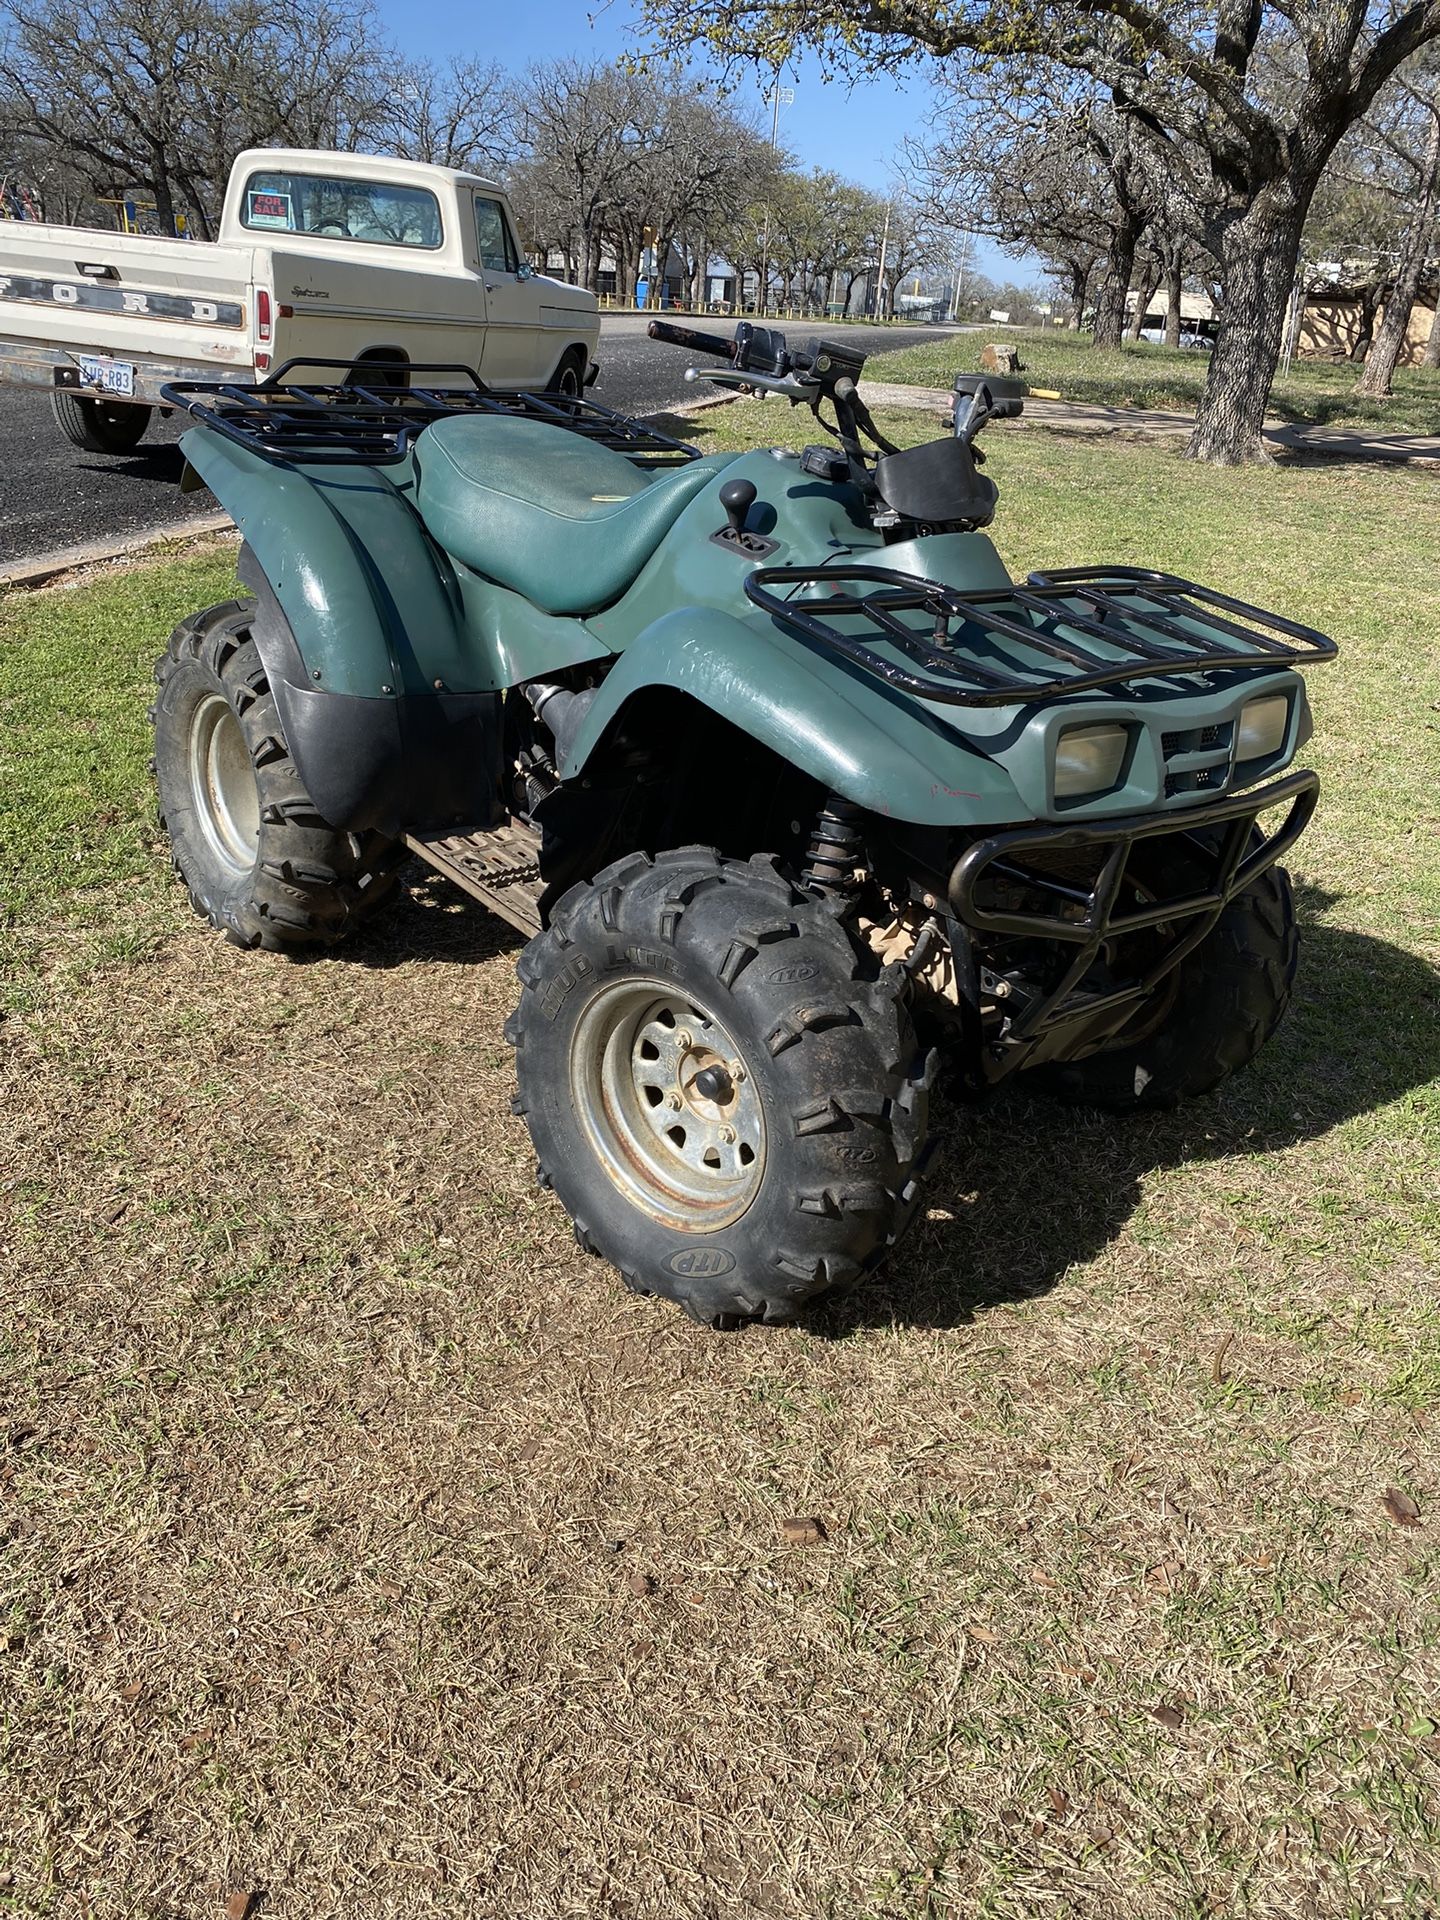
(127, 296)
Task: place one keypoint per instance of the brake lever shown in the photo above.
(797, 392)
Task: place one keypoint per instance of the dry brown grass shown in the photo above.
(365, 1548)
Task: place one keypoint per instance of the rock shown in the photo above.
(806, 1531)
(1000, 358)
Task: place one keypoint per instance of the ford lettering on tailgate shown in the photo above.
(95, 299)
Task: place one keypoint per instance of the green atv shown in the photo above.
(794, 793)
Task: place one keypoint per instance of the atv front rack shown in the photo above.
(374, 422)
(1066, 631)
(1089, 917)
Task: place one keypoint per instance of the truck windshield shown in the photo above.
(375, 211)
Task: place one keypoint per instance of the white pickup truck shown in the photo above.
(321, 256)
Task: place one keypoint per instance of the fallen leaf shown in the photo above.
(1043, 1579)
(240, 1906)
(133, 1691)
(1168, 1717)
(1101, 1836)
(802, 1532)
(1401, 1508)
(641, 1584)
(1260, 1561)
(1059, 1800)
(1217, 1359)
(1165, 1573)
(985, 1634)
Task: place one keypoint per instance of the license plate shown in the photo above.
(110, 376)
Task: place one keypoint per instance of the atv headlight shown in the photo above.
(1263, 726)
(1088, 760)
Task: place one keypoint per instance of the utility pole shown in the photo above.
(778, 95)
(962, 260)
(880, 275)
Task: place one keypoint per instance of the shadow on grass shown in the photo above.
(1023, 1189)
(1032, 1188)
(431, 921)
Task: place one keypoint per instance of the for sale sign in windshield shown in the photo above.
(269, 210)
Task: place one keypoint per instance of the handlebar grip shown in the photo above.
(692, 338)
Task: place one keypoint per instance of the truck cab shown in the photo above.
(350, 235)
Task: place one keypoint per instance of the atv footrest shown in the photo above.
(501, 869)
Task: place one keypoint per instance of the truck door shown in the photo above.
(511, 355)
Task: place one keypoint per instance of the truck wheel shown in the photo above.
(1210, 1017)
(568, 378)
(99, 426)
(256, 858)
(727, 1100)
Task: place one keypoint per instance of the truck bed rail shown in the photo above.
(1063, 632)
(375, 422)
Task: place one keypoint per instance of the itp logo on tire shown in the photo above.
(700, 1263)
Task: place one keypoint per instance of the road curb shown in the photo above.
(41, 568)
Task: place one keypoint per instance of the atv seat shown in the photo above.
(555, 517)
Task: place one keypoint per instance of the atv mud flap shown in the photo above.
(1067, 1019)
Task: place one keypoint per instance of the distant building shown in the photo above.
(1341, 297)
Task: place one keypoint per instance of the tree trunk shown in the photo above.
(1431, 355)
(1148, 285)
(1370, 297)
(1384, 356)
(1258, 252)
(1174, 289)
(1119, 263)
(1078, 275)
(164, 201)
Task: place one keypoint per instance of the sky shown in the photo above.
(853, 130)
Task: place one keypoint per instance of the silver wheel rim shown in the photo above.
(669, 1105)
(222, 784)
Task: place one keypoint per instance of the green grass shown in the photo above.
(76, 816)
(1314, 392)
(327, 1462)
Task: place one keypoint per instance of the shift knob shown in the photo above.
(737, 497)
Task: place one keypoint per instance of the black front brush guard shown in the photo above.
(1065, 1019)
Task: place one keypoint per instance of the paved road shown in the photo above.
(53, 496)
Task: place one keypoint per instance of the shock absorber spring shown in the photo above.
(835, 848)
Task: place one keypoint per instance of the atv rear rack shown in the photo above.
(374, 422)
(1066, 631)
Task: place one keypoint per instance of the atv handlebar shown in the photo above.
(693, 338)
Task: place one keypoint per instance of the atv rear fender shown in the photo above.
(891, 756)
(381, 711)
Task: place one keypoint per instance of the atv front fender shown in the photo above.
(887, 753)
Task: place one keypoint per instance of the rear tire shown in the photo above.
(1225, 1001)
(99, 426)
(256, 858)
(729, 1103)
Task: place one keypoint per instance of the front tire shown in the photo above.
(727, 1100)
(99, 426)
(256, 858)
(568, 379)
(1223, 1003)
